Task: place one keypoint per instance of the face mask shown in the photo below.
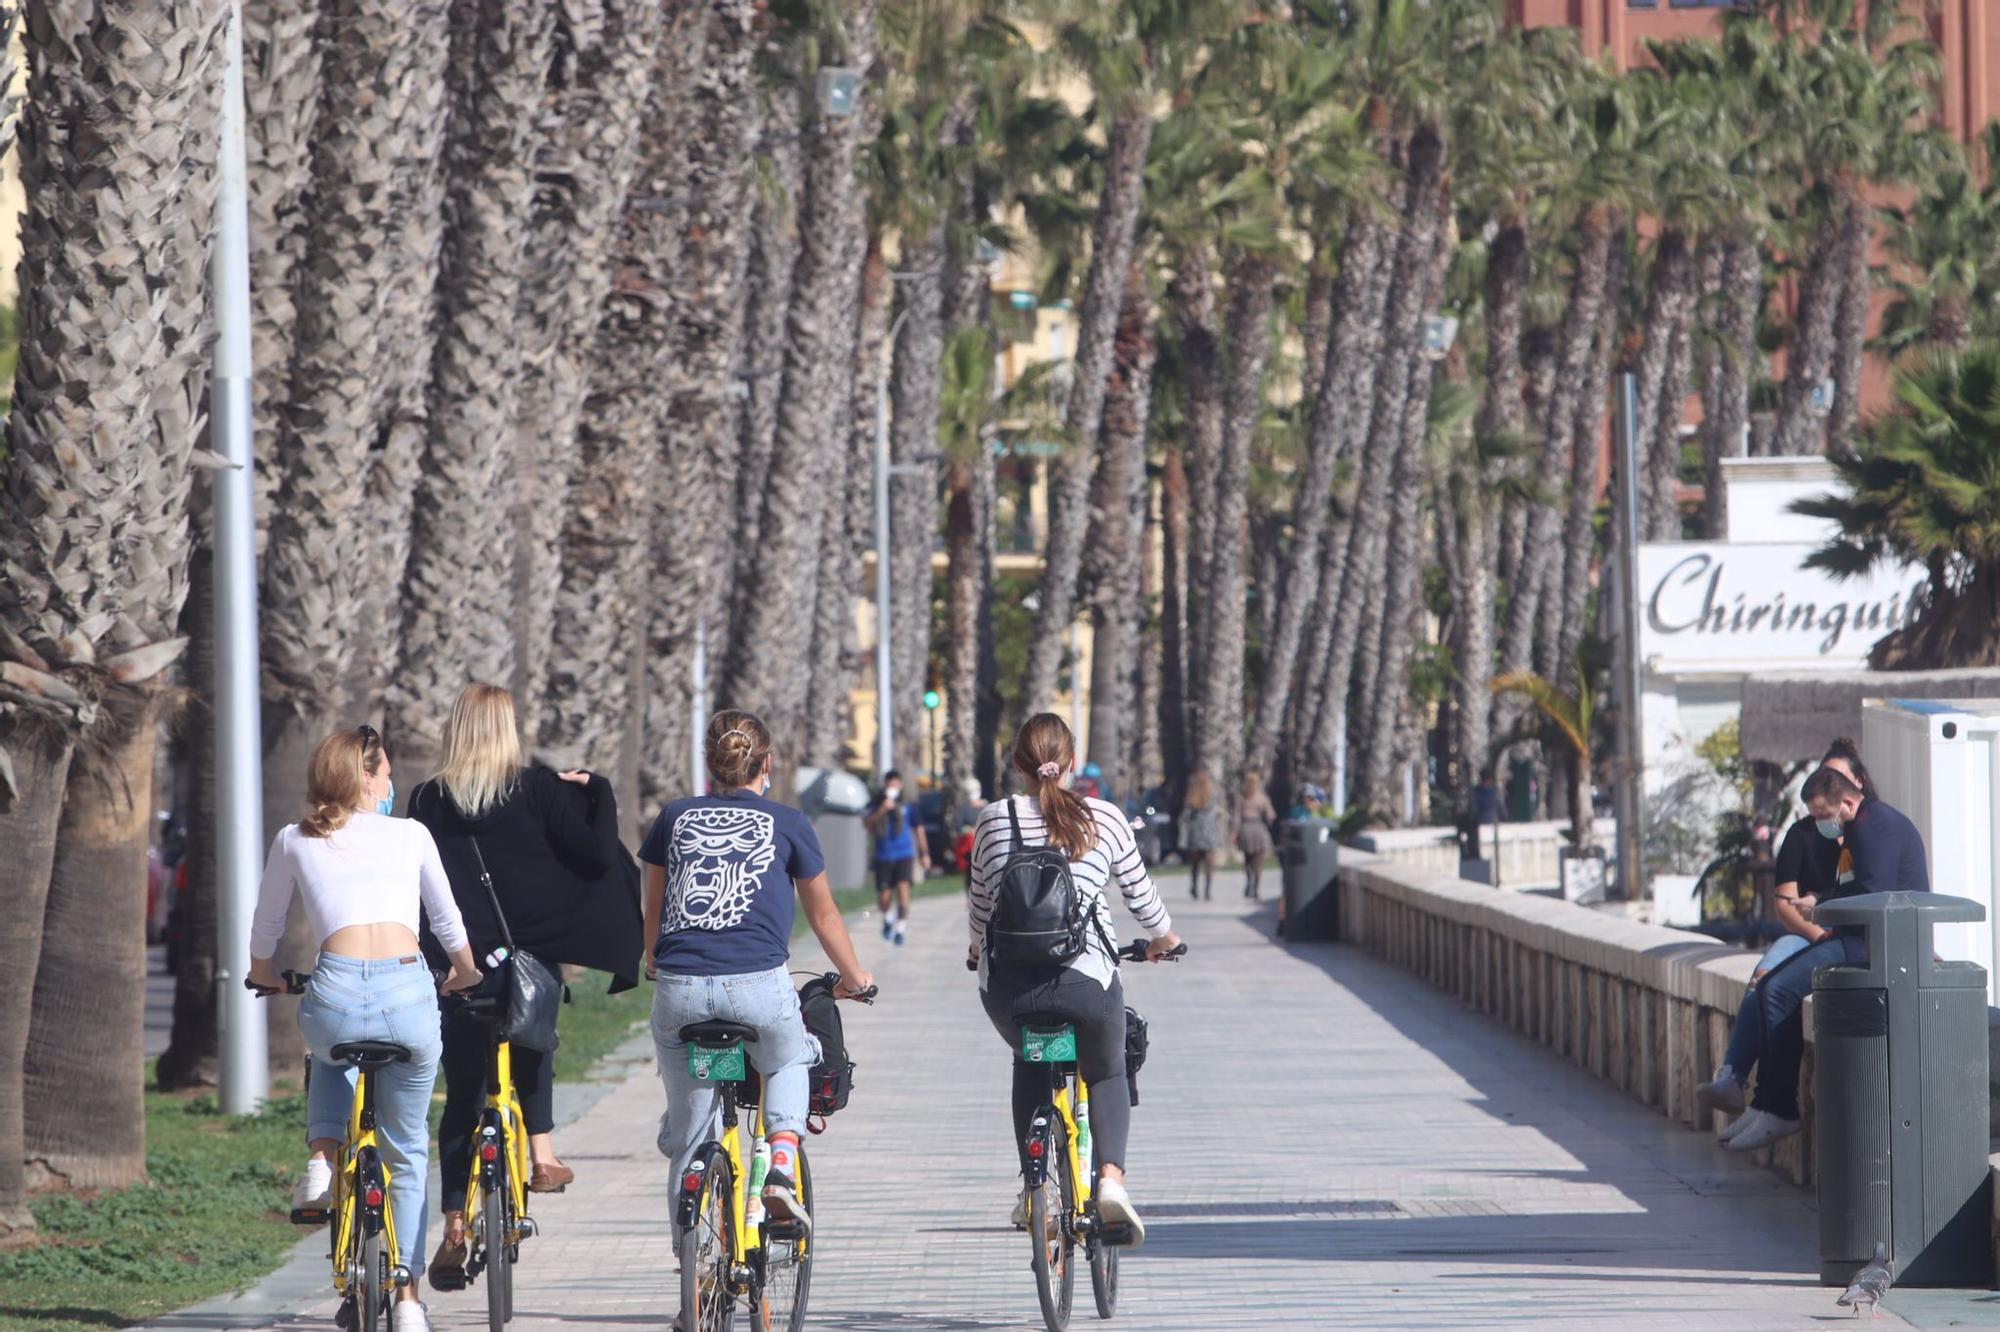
(387, 804)
(894, 793)
(1828, 828)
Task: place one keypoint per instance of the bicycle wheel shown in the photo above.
(1104, 1277)
(1048, 1229)
(371, 1300)
(705, 1253)
(781, 1304)
(499, 1259)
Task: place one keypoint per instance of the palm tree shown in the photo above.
(118, 157)
(1924, 490)
(1947, 240)
(1571, 714)
(768, 672)
(455, 622)
(583, 165)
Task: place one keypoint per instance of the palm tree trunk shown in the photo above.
(1466, 522)
(1850, 323)
(1734, 274)
(583, 166)
(769, 671)
(1144, 760)
(1540, 375)
(1586, 482)
(1317, 324)
(1129, 135)
(916, 379)
(1176, 759)
(190, 1057)
(987, 715)
(40, 752)
(1192, 294)
(1219, 719)
(961, 633)
(1118, 497)
(1809, 357)
(1670, 301)
(457, 625)
(1338, 428)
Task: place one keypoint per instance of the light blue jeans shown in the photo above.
(354, 1000)
(1779, 951)
(782, 1053)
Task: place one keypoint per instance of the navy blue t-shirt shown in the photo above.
(1884, 853)
(730, 862)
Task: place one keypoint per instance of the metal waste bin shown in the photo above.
(1899, 1081)
(834, 802)
(1310, 859)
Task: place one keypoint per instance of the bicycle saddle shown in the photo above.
(1044, 1021)
(717, 1033)
(370, 1054)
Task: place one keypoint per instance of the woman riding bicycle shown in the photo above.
(721, 871)
(363, 877)
(1098, 843)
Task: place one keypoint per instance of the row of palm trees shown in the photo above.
(571, 322)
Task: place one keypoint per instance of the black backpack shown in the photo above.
(1040, 918)
(833, 1076)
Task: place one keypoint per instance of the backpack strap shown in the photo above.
(1014, 821)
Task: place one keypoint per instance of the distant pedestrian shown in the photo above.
(1253, 832)
(1201, 834)
(901, 853)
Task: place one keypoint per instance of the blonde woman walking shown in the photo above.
(1253, 832)
(1201, 834)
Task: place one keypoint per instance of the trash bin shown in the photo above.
(1899, 1081)
(834, 802)
(1310, 859)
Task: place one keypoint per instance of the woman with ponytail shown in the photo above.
(1098, 843)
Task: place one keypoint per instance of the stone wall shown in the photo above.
(1528, 851)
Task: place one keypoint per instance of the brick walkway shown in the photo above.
(1323, 1142)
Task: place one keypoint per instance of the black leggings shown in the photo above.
(1099, 1015)
(468, 1055)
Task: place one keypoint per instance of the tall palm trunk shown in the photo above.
(93, 517)
(1541, 547)
(1176, 757)
(1809, 356)
(1316, 323)
(1337, 427)
(987, 714)
(1218, 743)
(1739, 291)
(768, 672)
(1670, 301)
(1192, 294)
(1129, 135)
(1468, 536)
(1144, 760)
(1850, 322)
(457, 624)
(583, 166)
(963, 604)
(915, 381)
(1586, 483)
(609, 525)
(1540, 350)
(1117, 528)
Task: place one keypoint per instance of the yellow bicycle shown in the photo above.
(367, 1265)
(728, 1248)
(496, 1195)
(1062, 1214)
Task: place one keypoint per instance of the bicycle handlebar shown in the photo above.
(295, 983)
(1136, 951)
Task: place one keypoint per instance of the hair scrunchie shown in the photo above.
(1048, 772)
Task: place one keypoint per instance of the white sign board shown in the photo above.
(1716, 606)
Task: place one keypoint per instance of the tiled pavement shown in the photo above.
(1323, 1143)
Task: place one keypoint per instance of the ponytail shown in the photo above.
(1043, 752)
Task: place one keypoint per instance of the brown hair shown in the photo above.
(1829, 784)
(1844, 749)
(337, 778)
(737, 745)
(481, 746)
(1045, 740)
(1200, 790)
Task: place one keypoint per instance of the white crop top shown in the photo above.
(371, 871)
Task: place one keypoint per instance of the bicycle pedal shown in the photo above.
(348, 1318)
(310, 1216)
(1117, 1237)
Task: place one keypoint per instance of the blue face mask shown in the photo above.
(1828, 828)
(387, 804)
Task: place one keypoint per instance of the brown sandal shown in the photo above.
(552, 1177)
(447, 1270)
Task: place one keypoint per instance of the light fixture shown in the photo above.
(836, 91)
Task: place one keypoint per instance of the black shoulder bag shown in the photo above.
(534, 993)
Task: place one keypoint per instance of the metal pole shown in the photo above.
(1631, 769)
(885, 737)
(698, 700)
(239, 781)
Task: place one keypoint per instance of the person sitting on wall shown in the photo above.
(1883, 853)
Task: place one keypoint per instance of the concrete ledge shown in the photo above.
(1529, 852)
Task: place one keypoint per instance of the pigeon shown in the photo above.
(1870, 1284)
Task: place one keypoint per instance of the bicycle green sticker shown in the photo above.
(1049, 1047)
(725, 1064)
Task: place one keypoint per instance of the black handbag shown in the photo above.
(534, 993)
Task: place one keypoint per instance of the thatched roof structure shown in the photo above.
(1790, 718)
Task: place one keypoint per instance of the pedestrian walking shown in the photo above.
(534, 858)
(901, 853)
(1201, 834)
(1253, 832)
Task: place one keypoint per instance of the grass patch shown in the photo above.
(851, 900)
(212, 1215)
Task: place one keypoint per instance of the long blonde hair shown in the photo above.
(481, 750)
(337, 778)
(1200, 790)
(1046, 746)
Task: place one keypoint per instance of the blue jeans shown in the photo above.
(1769, 1031)
(781, 1053)
(354, 1000)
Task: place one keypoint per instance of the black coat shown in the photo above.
(568, 886)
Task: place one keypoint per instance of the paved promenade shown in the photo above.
(1323, 1142)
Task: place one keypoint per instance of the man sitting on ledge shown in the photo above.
(1883, 853)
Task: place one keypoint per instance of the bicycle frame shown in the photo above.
(502, 1132)
(746, 1231)
(1082, 1178)
(361, 1183)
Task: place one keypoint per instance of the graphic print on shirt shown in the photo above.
(719, 858)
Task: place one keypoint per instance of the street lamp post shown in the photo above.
(885, 733)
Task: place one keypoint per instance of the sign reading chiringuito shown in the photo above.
(1715, 605)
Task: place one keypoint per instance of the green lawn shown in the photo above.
(211, 1217)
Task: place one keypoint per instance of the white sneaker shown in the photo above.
(899, 935)
(1737, 1125)
(314, 1191)
(1763, 1133)
(1722, 1092)
(409, 1316)
(1115, 1208)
